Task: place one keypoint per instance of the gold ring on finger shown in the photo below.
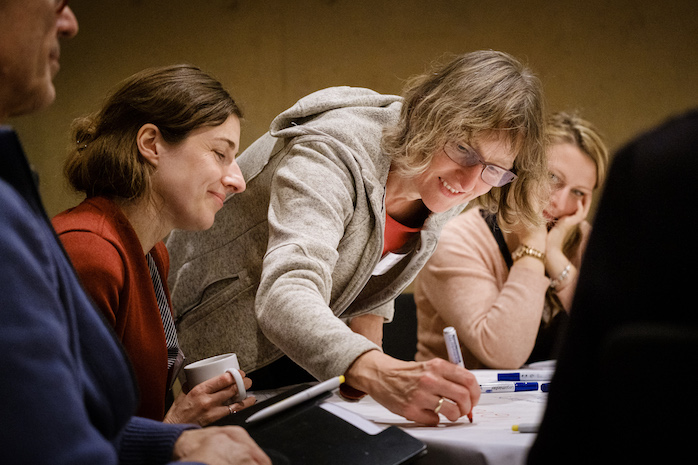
(439, 405)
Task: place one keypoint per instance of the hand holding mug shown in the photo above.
(208, 368)
(210, 392)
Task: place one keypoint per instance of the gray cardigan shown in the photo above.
(290, 261)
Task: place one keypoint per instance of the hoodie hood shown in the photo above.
(349, 119)
(358, 101)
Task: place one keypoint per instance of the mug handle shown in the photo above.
(242, 392)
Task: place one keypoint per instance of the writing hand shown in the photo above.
(413, 389)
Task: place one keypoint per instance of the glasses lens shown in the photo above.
(466, 156)
(462, 154)
(496, 176)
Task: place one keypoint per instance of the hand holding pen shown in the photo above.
(414, 390)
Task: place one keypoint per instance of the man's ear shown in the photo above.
(148, 141)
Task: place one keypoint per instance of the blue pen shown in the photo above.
(508, 387)
(535, 375)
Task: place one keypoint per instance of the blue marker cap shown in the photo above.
(532, 386)
(545, 387)
(508, 377)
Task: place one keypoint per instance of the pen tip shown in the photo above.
(341, 379)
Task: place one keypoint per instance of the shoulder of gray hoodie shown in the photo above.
(349, 116)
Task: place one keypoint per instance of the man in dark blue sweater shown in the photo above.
(66, 386)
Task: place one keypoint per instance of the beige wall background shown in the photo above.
(625, 65)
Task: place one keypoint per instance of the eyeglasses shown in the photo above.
(466, 156)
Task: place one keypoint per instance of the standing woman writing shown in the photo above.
(347, 195)
(159, 155)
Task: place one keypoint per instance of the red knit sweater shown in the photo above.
(110, 261)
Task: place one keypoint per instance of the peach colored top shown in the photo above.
(467, 284)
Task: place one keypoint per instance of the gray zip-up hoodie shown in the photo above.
(290, 260)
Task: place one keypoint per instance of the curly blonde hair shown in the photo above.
(469, 96)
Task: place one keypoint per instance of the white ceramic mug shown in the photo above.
(208, 368)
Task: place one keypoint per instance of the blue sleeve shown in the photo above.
(64, 381)
(146, 441)
(43, 412)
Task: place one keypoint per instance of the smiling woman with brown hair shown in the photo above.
(159, 155)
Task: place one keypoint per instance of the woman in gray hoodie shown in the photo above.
(346, 196)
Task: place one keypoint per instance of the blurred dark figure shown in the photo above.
(624, 390)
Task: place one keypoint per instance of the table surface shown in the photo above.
(489, 440)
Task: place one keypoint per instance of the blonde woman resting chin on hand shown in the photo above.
(159, 155)
(507, 290)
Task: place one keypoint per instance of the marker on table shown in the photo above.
(454, 353)
(535, 375)
(296, 399)
(508, 387)
(525, 428)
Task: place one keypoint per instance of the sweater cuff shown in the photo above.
(145, 441)
(349, 393)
